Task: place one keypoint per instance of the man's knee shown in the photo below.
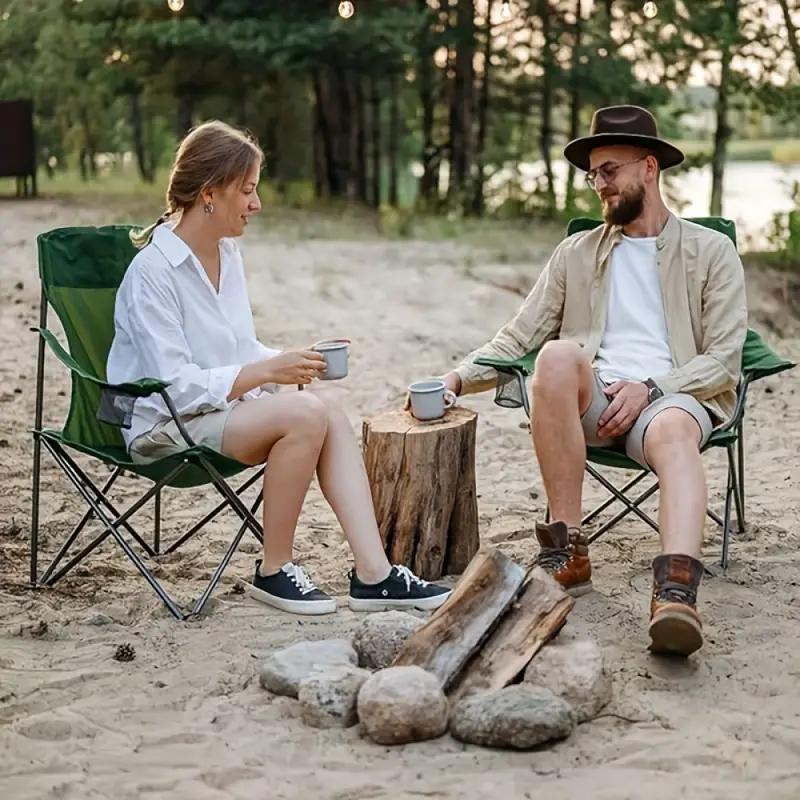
(560, 365)
(670, 430)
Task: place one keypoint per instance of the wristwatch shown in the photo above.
(653, 392)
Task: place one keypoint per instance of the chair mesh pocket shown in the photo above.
(116, 408)
(507, 393)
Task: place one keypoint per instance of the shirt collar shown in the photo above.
(612, 235)
(172, 247)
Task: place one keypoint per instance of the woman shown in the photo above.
(183, 316)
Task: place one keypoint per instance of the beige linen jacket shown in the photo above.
(705, 304)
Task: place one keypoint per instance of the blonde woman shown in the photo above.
(183, 316)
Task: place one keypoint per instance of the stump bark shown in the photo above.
(422, 476)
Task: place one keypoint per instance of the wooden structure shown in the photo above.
(498, 617)
(18, 145)
(422, 476)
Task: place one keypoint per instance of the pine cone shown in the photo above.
(124, 652)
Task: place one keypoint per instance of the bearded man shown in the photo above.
(641, 324)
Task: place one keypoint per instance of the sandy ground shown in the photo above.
(187, 718)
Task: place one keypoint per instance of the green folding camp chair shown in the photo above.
(758, 361)
(80, 270)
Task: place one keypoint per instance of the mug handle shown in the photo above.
(451, 396)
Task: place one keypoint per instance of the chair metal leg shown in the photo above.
(621, 497)
(213, 513)
(620, 515)
(223, 564)
(157, 524)
(38, 416)
(730, 492)
(111, 527)
(740, 509)
(611, 500)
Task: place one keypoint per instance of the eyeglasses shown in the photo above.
(608, 171)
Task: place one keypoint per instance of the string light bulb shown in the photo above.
(175, 5)
(505, 10)
(346, 9)
(650, 9)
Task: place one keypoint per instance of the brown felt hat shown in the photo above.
(622, 125)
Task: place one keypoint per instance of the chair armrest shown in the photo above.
(141, 388)
(525, 364)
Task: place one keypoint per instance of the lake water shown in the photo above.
(752, 193)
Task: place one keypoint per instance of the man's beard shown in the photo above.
(629, 207)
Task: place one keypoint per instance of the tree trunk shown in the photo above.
(375, 138)
(791, 29)
(723, 131)
(362, 186)
(325, 134)
(428, 182)
(445, 643)
(184, 115)
(293, 131)
(546, 125)
(422, 477)
(137, 135)
(574, 101)
(478, 199)
(394, 136)
(461, 106)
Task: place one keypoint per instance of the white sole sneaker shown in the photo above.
(379, 604)
(306, 608)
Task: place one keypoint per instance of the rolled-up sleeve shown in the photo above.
(157, 334)
(537, 320)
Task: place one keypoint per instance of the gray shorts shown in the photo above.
(165, 439)
(632, 443)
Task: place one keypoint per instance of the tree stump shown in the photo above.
(422, 476)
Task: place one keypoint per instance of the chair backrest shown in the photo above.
(758, 360)
(726, 226)
(80, 269)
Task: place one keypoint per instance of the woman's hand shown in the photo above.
(294, 367)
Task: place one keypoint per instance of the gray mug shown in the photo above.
(430, 399)
(335, 355)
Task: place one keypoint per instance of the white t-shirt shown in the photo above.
(635, 345)
(172, 325)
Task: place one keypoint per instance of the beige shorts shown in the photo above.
(165, 439)
(632, 443)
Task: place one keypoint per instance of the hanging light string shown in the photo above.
(175, 5)
(650, 9)
(346, 9)
(505, 10)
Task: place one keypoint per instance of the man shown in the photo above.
(641, 324)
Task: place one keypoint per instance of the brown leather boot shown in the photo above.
(564, 554)
(675, 625)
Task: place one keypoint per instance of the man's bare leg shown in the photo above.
(562, 389)
(671, 446)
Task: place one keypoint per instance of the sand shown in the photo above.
(188, 719)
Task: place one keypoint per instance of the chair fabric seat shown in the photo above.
(194, 474)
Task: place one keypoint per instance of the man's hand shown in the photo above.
(630, 398)
(452, 381)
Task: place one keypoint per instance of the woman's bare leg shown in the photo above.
(288, 431)
(343, 481)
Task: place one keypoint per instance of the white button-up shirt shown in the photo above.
(171, 324)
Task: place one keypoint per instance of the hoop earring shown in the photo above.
(208, 208)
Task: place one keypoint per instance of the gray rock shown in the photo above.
(399, 705)
(574, 671)
(519, 717)
(328, 696)
(284, 669)
(380, 637)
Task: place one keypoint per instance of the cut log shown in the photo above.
(483, 594)
(532, 621)
(422, 477)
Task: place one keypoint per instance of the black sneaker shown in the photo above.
(289, 589)
(402, 589)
